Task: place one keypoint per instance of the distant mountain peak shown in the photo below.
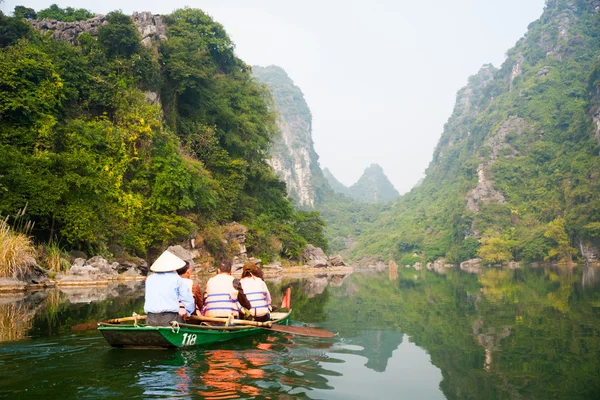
(374, 186)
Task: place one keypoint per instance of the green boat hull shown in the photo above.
(179, 336)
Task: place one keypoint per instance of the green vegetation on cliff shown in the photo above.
(517, 165)
(111, 142)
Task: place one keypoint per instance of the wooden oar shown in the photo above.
(88, 326)
(302, 331)
(125, 319)
(296, 330)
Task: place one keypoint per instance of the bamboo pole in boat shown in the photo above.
(229, 321)
(296, 330)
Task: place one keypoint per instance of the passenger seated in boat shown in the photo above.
(185, 273)
(165, 290)
(257, 292)
(224, 295)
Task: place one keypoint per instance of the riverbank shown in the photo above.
(12, 285)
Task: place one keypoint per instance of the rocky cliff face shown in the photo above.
(150, 26)
(293, 156)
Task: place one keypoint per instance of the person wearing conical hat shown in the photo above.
(165, 290)
(256, 291)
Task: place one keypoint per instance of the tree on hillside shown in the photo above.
(68, 14)
(24, 12)
(556, 231)
(495, 250)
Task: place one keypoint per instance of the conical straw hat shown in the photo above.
(167, 262)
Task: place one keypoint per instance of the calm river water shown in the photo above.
(505, 334)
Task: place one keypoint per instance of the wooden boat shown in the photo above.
(140, 335)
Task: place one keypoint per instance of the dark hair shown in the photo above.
(183, 269)
(225, 266)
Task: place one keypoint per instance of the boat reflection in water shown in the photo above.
(270, 367)
(232, 374)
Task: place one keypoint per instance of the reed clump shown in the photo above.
(54, 258)
(17, 251)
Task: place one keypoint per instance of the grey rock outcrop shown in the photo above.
(84, 270)
(69, 31)
(97, 269)
(132, 265)
(589, 252)
(274, 266)
(314, 256)
(182, 253)
(150, 26)
(237, 233)
(336, 261)
(484, 192)
(99, 263)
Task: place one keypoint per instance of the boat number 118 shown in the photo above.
(188, 339)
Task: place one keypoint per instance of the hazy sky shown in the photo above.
(379, 76)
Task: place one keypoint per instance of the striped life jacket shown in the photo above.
(257, 294)
(221, 297)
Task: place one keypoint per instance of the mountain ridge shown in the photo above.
(511, 177)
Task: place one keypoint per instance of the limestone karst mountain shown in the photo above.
(293, 156)
(133, 132)
(515, 172)
(374, 187)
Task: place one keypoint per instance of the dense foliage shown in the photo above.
(517, 165)
(68, 14)
(99, 164)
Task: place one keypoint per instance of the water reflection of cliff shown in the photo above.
(528, 333)
(377, 347)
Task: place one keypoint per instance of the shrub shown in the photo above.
(17, 253)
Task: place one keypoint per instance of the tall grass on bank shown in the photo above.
(17, 253)
(54, 258)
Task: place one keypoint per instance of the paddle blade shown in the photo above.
(302, 331)
(287, 299)
(86, 326)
